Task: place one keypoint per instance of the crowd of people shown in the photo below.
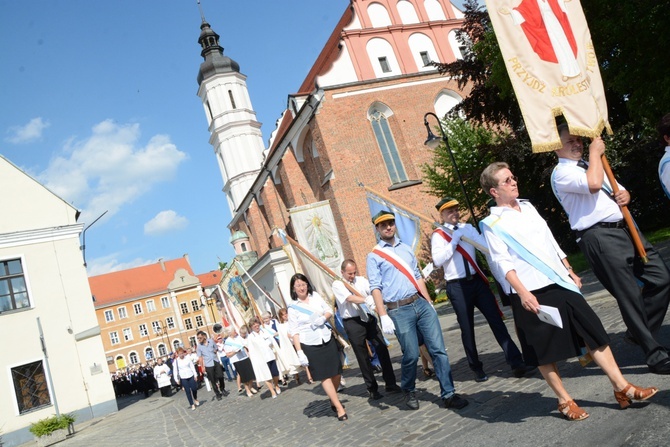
(552, 320)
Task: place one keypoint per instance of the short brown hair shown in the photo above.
(664, 126)
(488, 177)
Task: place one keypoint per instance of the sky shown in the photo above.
(99, 104)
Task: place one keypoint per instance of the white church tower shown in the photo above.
(235, 134)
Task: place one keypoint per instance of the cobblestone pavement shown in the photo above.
(502, 411)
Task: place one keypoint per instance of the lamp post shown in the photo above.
(432, 141)
(209, 302)
(162, 332)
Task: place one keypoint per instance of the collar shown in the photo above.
(567, 161)
(396, 242)
(499, 210)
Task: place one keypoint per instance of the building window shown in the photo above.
(184, 308)
(384, 64)
(148, 353)
(109, 316)
(114, 337)
(122, 313)
(198, 321)
(382, 131)
(192, 342)
(120, 362)
(162, 350)
(151, 307)
(143, 330)
(13, 291)
(195, 305)
(155, 325)
(232, 100)
(138, 308)
(165, 302)
(176, 344)
(169, 321)
(127, 334)
(30, 386)
(188, 323)
(425, 58)
(134, 359)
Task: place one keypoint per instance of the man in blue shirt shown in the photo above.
(207, 352)
(404, 307)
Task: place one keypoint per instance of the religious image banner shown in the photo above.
(239, 297)
(315, 229)
(549, 55)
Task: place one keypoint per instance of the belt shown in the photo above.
(396, 304)
(618, 224)
(451, 281)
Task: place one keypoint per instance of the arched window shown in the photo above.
(382, 58)
(407, 12)
(121, 361)
(176, 344)
(446, 101)
(423, 51)
(378, 115)
(379, 16)
(456, 47)
(162, 350)
(434, 10)
(134, 359)
(148, 353)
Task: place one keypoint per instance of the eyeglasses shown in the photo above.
(508, 181)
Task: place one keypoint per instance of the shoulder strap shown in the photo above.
(397, 262)
(440, 231)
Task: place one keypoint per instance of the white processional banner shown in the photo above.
(315, 229)
(547, 48)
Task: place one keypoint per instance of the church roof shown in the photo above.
(138, 282)
(215, 61)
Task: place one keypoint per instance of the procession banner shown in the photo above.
(238, 296)
(549, 55)
(315, 229)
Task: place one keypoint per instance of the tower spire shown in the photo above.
(202, 14)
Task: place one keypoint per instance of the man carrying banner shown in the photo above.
(468, 287)
(397, 286)
(361, 326)
(602, 235)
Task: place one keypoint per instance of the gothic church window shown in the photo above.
(378, 116)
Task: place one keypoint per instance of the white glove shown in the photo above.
(370, 302)
(318, 321)
(457, 235)
(302, 358)
(387, 325)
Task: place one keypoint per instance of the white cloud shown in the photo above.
(28, 133)
(108, 264)
(110, 168)
(165, 222)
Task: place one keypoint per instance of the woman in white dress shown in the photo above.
(262, 357)
(287, 350)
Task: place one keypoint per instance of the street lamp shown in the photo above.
(433, 142)
(162, 331)
(209, 302)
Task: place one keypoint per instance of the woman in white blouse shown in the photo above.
(313, 339)
(185, 375)
(531, 267)
(262, 345)
(235, 348)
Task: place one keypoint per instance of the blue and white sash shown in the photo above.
(232, 344)
(537, 257)
(664, 162)
(307, 312)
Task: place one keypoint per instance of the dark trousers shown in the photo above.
(359, 332)
(465, 296)
(215, 375)
(641, 290)
(190, 389)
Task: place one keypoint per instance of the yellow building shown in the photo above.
(149, 311)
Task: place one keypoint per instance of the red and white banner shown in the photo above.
(547, 48)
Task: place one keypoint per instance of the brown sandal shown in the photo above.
(572, 412)
(633, 392)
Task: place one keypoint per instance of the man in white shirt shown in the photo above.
(664, 164)
(361, 327)
(595, 215)
(467, 288)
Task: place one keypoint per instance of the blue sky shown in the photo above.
(99, 103)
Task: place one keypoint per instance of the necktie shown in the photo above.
(468, 274)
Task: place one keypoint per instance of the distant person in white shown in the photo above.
(664, 164)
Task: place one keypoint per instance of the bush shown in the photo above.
(441, 297)
(51, 424)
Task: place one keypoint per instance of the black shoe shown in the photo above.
(374, 395)
(225, 392)
(455, 401)
(393, 389)
(344, 417)
(522, 370)
(219, 397)
(480, 376)
(662, 367)
(411, 401)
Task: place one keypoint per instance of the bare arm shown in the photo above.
(528, 300)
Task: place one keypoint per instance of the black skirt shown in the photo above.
(245, 370)
(543, 343)
(324, 359)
